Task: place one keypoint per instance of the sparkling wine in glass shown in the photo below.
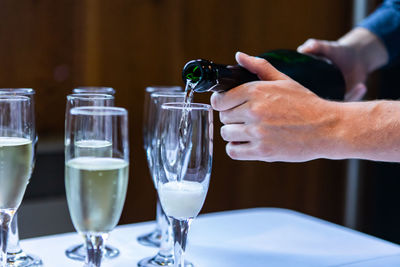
(15, 255)
(164, 257)
(183, 160)
(153, 238)
(90, 148)
(96, 184)
(17, 135)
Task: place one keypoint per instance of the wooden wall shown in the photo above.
(54, 46)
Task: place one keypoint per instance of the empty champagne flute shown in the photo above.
(165, 256)
(15, 255)
(17, 134)
(96, 183)
(89, 148)
(153, 238)
(94, 90)
(183, 160)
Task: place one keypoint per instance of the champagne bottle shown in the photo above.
(317, 74)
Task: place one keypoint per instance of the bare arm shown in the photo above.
(368, 130)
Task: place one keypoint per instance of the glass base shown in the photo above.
(152, 239)
(160, 260)
(78, 252)
(21, 259)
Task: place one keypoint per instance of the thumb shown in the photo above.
(356, 93)
(316, 47)
(259, 66)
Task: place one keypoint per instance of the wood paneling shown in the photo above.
(56, 45)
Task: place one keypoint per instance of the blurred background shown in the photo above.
(54, 46)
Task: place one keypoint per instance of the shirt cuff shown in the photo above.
(385, 23)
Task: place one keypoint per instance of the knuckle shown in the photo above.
(258, 90)
(255, 110)
(258, 132)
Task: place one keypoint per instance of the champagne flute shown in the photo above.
(94, 90)
(91, 147)
(17, 134)
(164, 257)
(96, 183)
(153, 238)
(15, 255)
(183, 160)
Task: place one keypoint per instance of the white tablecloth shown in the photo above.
(247, 238)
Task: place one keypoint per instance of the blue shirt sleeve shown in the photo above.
(385, 23)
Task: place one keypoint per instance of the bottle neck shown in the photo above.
(200, 75)
(316, 74)
(203, 76)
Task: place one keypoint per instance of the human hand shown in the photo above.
(275, 119)
(356, 54)
(347, 59)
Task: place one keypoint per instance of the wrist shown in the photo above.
(340, 134)
(364, 130)
(369, 51)
(334, 136)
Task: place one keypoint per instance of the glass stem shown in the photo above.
(166, 235)
(95, 248)
(165, 255)
(180, 229)
(6, 217)
(13, 237)
(159, 215)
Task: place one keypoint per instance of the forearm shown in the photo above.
(365, 130)
(369, 49)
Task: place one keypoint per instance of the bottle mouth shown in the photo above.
(192, 72)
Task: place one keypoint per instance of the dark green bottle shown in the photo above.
(314, 73)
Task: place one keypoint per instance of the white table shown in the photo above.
(246, 238)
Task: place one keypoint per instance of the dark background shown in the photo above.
(54, 46)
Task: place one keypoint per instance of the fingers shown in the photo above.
(230, 99)
(238, 95)
(308, 46)
(317, 47)
(241, 151)
(356, 93)
(240, 114)
(259, 66)
(235, 133)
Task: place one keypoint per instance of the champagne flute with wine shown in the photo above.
(183, 160)
(96, 183)
(16, 257)
(90, 147)
(165, 256)
(17, 134)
